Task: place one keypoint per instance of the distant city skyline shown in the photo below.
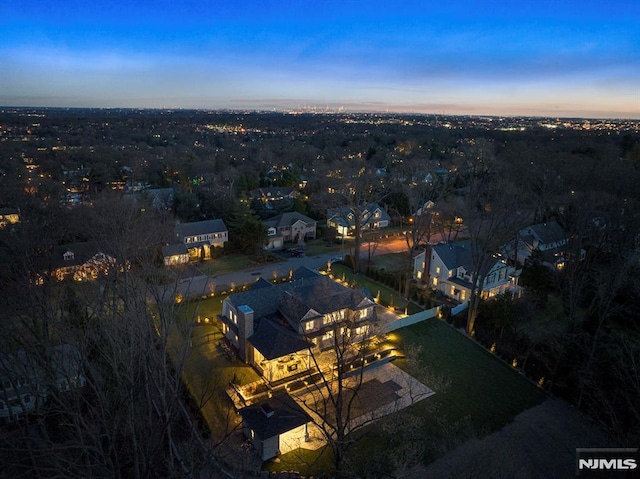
(543, 58)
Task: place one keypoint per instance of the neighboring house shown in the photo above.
(276, 193)
(174, 254)
(159, 198)
(275, 426)
(275, 328)
(292, 226)
(25, 384)
(9, 216)
(344, 219)
(451, 268)
(548, 238)
(80, 261)
(200, 236)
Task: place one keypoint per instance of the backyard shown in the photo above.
(476, 393)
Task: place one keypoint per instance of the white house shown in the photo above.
(275, 328)
(451, 267)
(548, 238)
(373, 216)
(275, 426)
(201, 236)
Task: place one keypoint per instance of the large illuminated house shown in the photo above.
(451, 267)
(276, 328)
(81, 262)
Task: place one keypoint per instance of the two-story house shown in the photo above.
(200, 236)
(451, 268)
(291, 226)
(273, 194)
(373, 216)
(25, 383)
(276, 328)
(548, 238)
(9, 216)
(81, 261)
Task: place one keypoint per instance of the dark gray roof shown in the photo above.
(319, 293)
(548, 232)
(287, 219)
(340, 215)
(263, 300)
(201, 228)
(284, 415)
(261, 283)
(82, 252)
(174, 249)
(274, 340)
(9, 211)
(454, 255)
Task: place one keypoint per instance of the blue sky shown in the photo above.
(550, 58)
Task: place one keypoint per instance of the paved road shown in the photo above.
(200, 284)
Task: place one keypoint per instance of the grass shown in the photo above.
(318, 246)
(476, 394)
(392, 262)
(230, 263)
(207, 371)
(481, 386)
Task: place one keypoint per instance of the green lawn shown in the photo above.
(319, 246)
(230, 263)
(476, 394)
(480, 386)
(392, 262)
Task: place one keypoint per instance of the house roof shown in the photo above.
(547, 232)
(263, 300)
(274, 416)
(81, 253)
(341, 215)
(201, 228)
(174, 249)
(273, 340)
(279, 309)
(320, 294)
(272, 192)
(455, 255)
(287, 220)
(9, 211)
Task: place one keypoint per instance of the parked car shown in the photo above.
(337, 259)
(297, 253)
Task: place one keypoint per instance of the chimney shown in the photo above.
(245, 328)
(267, 410)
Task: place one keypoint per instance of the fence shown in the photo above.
(460, 308)
(413, 319)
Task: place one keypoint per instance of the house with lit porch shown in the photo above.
(450, 268)
(372, 217)
(277, 328)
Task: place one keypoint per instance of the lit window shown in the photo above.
(437, 269)
(308, 326)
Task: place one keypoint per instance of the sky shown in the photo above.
(560, 58)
